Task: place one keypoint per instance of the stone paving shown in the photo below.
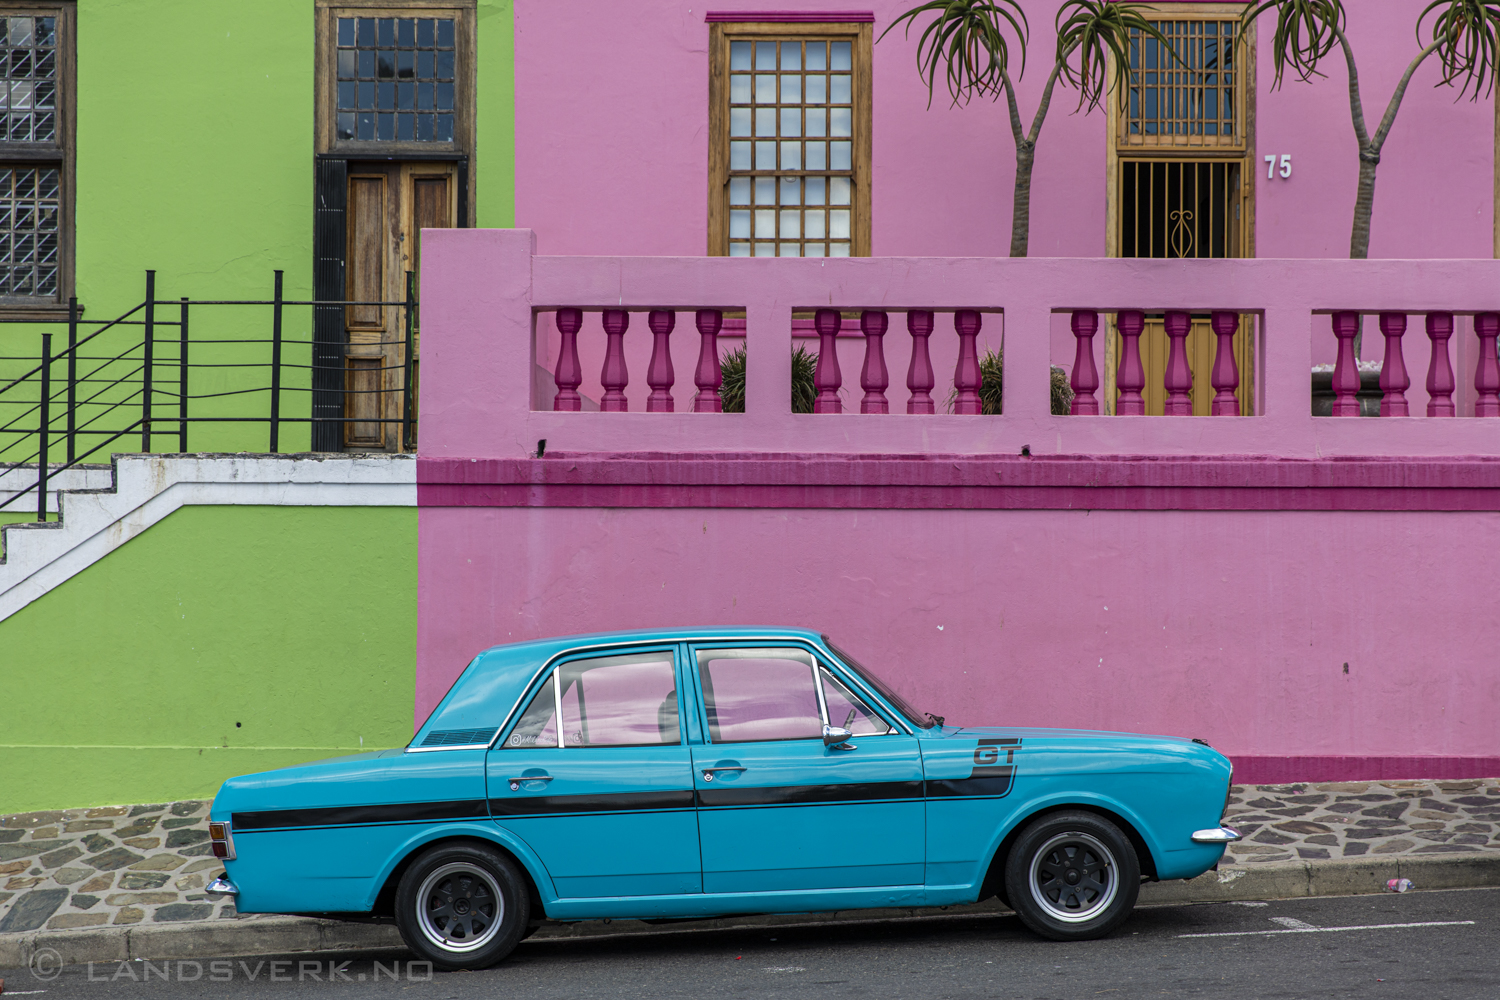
(109, 865)
(114, 865)
(1351, 819)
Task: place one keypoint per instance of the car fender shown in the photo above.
(1063, 799)
(477, 830)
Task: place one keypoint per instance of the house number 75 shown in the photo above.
(1286, 166)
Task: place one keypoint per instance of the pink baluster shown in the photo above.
(919, 375)
(1131, 377)
(827, 377)
(1225, 377)
(967, 377)
(874, 378)
(659, 373)
(1393, 378)
(569, 374)
(1346, 368)
(1440, 381)
(1085, 377)
(709, 377)
(1179, 377)
(614, 377)
(1487, 371)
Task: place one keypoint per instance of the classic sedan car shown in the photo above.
(696, 773)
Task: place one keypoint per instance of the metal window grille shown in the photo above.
(30, 223)
(28, 78)
(1180, 208)
(396, 79)
(791, 148)
(1192, 99)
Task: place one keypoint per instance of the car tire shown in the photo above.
(462, 906)
(1072, 876)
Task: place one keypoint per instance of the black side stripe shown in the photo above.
(789, 795)
(990, 785)
(402, 812)
(539, 805)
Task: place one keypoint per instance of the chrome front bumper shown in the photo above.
(220, 887)
(1223, 835)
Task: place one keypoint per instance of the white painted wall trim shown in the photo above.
(93, 523)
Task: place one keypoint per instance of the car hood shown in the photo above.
(1040, 733)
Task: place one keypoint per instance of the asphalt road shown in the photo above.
(1358, 950)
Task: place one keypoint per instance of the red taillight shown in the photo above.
(221, 849)
(222, 841)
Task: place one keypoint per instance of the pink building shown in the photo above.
(1309, 593)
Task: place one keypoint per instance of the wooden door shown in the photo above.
(389, 205)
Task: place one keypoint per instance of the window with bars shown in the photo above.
(1188, 94)
(790, 124)
(35, 157)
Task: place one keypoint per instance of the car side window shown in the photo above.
(538, 725)
(751, 695)
(847, 711)
(606, 701)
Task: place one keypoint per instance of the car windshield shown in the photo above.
(922, 720)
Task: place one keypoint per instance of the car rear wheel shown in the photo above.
(462, 906)
(1072, 876)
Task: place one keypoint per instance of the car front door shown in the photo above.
(777, 809)
(595, 777)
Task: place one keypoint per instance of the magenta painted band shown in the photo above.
(1284, 770)
(960, 483)
(790, 16)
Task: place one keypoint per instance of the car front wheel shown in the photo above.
(1072, 876)
(462, 906)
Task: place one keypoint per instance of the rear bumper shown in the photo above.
(221, 887)
(1222, 835)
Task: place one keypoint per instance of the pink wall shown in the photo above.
(611, 140)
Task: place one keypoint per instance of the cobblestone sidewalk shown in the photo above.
(115, 865)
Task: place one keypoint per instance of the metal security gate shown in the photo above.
(1181, 208)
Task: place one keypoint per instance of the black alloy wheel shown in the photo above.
(1072, 876)
(463, 906)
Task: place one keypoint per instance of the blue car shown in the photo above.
(698, 773)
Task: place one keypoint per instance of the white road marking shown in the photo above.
(786, 968)
(1294, 923)
(1330, 930)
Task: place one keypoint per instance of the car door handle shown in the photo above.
(515, 783)
(708, 772)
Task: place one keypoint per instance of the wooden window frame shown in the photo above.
(327, 13)
(62, 152)
(720, 34)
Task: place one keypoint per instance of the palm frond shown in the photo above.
(732, 386)
(1306, 31)
(1466, 38)
(970, 42)
(1095, 30)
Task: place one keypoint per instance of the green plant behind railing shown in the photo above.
(732, 389)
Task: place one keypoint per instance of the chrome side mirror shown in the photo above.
(837, 738)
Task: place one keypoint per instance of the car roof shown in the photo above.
(658, 634)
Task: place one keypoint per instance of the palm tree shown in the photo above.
(971, 42)
(1463, 36)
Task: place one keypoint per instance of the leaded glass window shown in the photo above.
(30, 223)
(1188, 94)
(28, 95)
(396, 78)
(791, 148)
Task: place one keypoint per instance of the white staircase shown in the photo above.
(101, 508)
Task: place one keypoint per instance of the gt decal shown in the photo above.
(987, 759)
(988, 777)
(986, 755)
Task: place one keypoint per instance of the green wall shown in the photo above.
(195, 158)
(124, 684)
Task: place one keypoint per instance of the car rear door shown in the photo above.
(777, 809)
(606, 797)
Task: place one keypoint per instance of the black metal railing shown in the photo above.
(111, 384)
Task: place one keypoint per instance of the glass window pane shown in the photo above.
(814, 224)
(739, 88)
(814, 250)
(739, 55)
(839, 92)
(387, 35)
(739, 249)
(538, 725)
(765, 190)
(847, 711)
(813, 190)
(398, 49)
(842, 157)
(739, 190)
(346, 31)
(759, 694)
(765, 223)
(406, 32)
(791, 224)
(817, 156)
(790, 250)
(791, 156)
(841, 121)
(348, 59)
(839, 190)
(424, 33)
(791, 55)
(765, 156)
(842, 56)
(838, 249)
(817, 121)
(739, 225)
(739, 156)
(620, 701)
(817, 90)
(765, 121)
(739, 122)
(347, 95)
(445, 32)
(791, 89)
(838, 224)
(791, 121)
(817, 55)
(765, 89)
(791, 190)
(765, 55)
(765, 249)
